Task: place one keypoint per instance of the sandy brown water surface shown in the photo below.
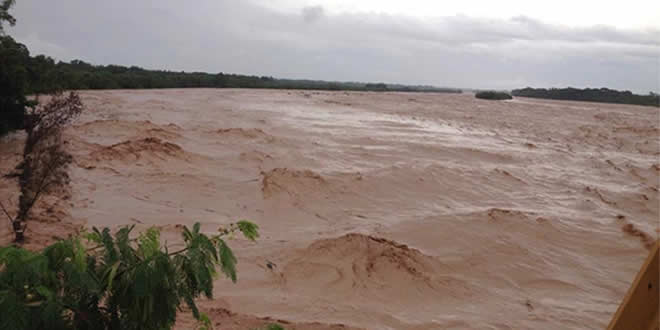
(382, 210)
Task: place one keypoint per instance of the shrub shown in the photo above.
(120, 283)
(493, 95)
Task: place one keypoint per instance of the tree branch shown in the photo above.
(42, 185)
(4, 210)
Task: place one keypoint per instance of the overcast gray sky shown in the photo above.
(467, 43)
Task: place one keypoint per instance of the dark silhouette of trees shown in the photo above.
(590, 94)
(14, 83)
(493, 95)
(376, 87)
(81, 75)
(14, 75)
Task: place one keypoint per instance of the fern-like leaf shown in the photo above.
(249, 229)
(149, 242)
(111, 274)
(227, 260)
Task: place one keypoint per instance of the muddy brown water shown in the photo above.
(384, 210)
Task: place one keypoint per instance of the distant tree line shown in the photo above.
(81, 75)
(590, 94)
(44, 74)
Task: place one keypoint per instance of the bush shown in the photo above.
(493, 95)
(121, 283)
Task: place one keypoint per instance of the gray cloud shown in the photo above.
(242, 37)
(312, 13)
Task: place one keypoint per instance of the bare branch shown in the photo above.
(43, 183)
(4, 210)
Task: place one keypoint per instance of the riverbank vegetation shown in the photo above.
(99, 280)
(605, 95)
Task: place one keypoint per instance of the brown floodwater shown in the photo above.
(384, 210)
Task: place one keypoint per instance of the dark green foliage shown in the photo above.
(120, 283)
(380, 87)
(14, 82)
(493, 95)
(80, 75)
(14, 59)
(590, 94)
(42, 79)
(248, 229)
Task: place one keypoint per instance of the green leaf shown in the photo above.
(149, 242)
(112, 274)
(109, 245)
(79, 255)
(187, 235)
(94, 236)
(204, 322)
(191, 303)
(227, 260)
(249, 229)
(44, 291)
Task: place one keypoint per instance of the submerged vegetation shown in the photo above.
(97, 280)
(493, 95)
(605, 95)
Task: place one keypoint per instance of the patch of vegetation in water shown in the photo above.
(493, 95)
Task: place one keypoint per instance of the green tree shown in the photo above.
(14, 78)
(14, 58)
(590, 94)
(118, 283)
(43, 77)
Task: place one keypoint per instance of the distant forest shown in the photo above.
(45, 74)
(590, 94)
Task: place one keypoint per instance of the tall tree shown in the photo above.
(4, 14)
(14, 58)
